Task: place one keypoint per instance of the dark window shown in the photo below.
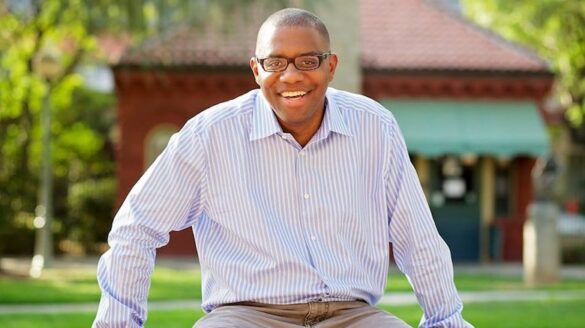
(454, 183)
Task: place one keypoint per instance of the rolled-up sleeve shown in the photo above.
(168, 197)
(419, 251)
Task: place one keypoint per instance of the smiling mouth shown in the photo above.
(293, 94)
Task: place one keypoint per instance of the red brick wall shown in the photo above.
(512, 227)
(379, 85)
(147, 99)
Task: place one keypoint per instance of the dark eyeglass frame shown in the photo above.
(321, 58)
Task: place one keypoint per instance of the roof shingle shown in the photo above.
(419, 34)
(395, 35)
(188, 46)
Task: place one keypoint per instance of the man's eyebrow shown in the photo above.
(311, 53)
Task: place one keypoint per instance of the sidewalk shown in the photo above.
(22, 265)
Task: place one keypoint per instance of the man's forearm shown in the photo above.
(124, 278)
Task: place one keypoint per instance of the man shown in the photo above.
(294, 193)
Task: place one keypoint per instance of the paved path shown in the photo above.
(388, 299)
(22, 265)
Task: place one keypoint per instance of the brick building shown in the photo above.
(469, 104)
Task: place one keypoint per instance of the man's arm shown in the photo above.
(168, 197)
(419, 251)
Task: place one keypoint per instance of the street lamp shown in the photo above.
(47, 66)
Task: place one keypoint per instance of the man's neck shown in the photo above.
(303, 133)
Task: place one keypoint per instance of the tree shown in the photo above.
(555, 29)
(29, 29)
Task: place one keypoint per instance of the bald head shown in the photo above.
(290, 17)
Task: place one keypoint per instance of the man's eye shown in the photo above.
(273, 63)
(309, 61)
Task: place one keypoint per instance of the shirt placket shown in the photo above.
(308, 198)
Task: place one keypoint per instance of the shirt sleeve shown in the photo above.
(419, 251)
(167, 197)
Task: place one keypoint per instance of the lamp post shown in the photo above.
(47, 65)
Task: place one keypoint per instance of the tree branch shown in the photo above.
(69, 69)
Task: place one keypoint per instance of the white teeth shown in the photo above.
(291, 94)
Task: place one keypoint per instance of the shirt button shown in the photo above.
(306, 196)
(302, 154)
(313, 238)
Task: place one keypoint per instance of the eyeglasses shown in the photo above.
(302, 63)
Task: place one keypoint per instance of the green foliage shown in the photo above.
(83, 167)
(66, 33)
(555, 28)
(26, 32)
(91, 207)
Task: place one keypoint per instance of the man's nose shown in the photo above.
(291, 74)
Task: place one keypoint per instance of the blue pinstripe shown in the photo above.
(277, 223)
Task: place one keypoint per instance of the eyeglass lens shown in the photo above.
(303, 63)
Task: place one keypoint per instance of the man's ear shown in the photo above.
(333, 60)
(254, 67)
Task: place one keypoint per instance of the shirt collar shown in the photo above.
(264, 121)
(265, 124)
(333, 119)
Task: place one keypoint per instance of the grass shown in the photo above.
(79, 285)
(57, 286)
(567, 314)
(536, 314)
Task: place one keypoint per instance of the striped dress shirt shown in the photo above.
(278, 223)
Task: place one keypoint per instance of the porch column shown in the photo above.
(342, 21)
(487, 206)
(421, 164)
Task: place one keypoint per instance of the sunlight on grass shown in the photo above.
(537, 314)
(80, 285)
(482, 282)
(175, 284)
(47, 289)
(397, 283)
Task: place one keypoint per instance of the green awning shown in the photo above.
(500, 128)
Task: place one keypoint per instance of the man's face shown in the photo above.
(296, 97)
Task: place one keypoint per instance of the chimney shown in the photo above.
(343, 23)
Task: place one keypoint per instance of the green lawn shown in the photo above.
(566, 314)
(79, 285)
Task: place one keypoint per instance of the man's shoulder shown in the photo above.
(360, 105)
(228, 110)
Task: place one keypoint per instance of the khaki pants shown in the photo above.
(319, 315)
